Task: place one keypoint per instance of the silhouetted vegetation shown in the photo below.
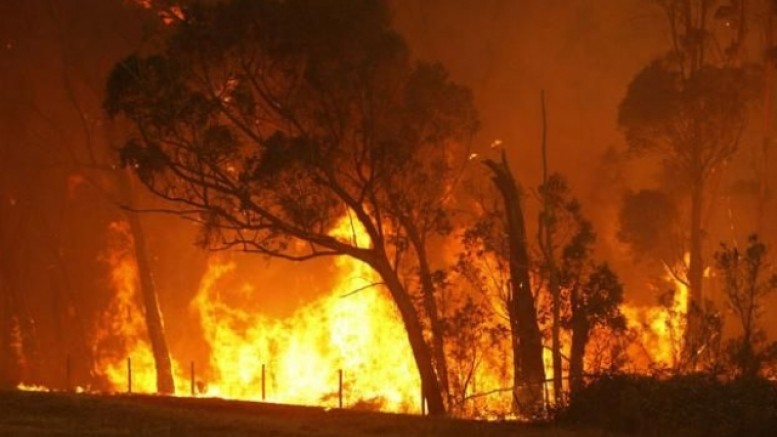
(316, 132)
(692, 405)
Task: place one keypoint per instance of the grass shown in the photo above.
(64, 414)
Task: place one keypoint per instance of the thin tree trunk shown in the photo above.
(763, 182)
(693, 331)
(529, 370)
(550, 262)
(430, 306)
(430, 385)
(580, 333)
(153, 314)
(576, 356)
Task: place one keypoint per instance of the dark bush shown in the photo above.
(687, 405)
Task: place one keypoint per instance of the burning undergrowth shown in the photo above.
(354, 329)
(301, 355)
(120, 340)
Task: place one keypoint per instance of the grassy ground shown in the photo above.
(34, 413)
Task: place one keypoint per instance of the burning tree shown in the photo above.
(269, 121)
(528, 368)
(691, 107)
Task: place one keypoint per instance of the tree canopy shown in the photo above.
(275, 129)
(303, 113)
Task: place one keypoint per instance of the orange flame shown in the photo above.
(355, 329)
(661, 328)
(32, 387)
(121, 331)
(358, 332)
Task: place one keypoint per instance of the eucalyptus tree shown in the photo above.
(268, 122)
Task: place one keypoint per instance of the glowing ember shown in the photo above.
(32, 387)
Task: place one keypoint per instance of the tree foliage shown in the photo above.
(648, 222)
(746, 282)
(279, 126)
(269, 121)
(591, 292)
(690, 107)
(696, 122)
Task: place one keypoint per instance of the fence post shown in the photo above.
(192, 377)
(129, 374)
(340, 389)
(264, 393)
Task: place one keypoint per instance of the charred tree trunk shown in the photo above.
(768, 89)
(430, 385)
(693, 331)
(430, 306)
(529, 371)
(748, 362)
(547, 230)
(580, 334)
(555, 294)
(153, 314)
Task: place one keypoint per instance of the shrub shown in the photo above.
(681, 405)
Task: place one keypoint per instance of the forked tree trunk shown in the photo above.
(430, 306)
(153, 314)
(529, 370)
(430, 385)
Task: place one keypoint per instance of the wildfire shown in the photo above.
(358, 332)
(121, 339)
(661, 328)
(354, 329)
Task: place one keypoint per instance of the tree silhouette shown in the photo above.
(267, 122)
(590, 293)
(690, 107)
(746, 282)
(526, 338)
